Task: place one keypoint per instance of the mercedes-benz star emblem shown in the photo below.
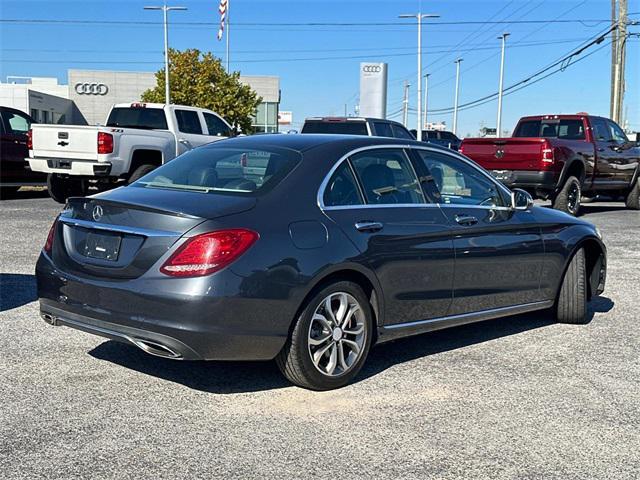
(97, 213)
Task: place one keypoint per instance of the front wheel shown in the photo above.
(330, 340)
(568, 198)
(633, 197)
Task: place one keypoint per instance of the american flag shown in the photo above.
(223, 17)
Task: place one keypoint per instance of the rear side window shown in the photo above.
(223, 170)
(16, 124)
(132, 117)
(342, 188)
(383, 129)
(339, 127)
(387, 177)
(188, 121)
(216, 126)
(401, 132)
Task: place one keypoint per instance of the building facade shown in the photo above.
(89, 95)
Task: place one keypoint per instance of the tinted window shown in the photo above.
(572, 129)
(339, 127)
(448, 136)
(342, 188)
(188, 121)
(601, 132)
(223, 170)
(383, 129)
(216, 126)
(387, 177)
(616, 133)
(132, 117)
(15, 123)
(457, 182)
(401, 132)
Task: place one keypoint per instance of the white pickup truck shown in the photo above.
(137, 138)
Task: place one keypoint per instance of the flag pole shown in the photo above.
(228, 4)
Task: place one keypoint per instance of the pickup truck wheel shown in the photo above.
(140, 172)
(568, 198)
(61, 188)
(571, 306)
(633, 198)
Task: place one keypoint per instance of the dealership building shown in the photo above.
(89, 95)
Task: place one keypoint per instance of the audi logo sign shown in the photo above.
(371, 68)
(91, 88)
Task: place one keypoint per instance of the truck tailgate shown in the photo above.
(505, 153)
(65, 141)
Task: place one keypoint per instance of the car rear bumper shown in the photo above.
(528, 179)
(64, 166)
(168, 323)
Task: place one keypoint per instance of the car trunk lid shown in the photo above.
(506, 153)
(65, 141)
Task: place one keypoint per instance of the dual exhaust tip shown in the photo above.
(148, 346)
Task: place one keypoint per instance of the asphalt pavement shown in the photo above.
(515, 398)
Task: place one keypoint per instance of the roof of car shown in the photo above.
(307, 141)
(350, 119)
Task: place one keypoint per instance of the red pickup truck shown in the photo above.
(563, 158)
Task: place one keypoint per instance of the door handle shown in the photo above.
(466, 220)
(368, 226)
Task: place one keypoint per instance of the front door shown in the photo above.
(402, 236)
(498, 251)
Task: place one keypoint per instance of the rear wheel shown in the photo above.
(571, 306)
(61, 188)
(140, 172)
(568, 198)
(633, 197)
(330, 340)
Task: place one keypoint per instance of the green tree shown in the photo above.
(199, 80)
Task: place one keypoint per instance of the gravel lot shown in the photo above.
(518, 397)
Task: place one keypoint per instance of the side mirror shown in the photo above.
(521, 199)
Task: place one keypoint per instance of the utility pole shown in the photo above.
(405, 104)
(426, 99)
(621, 57)
(165, 10)
(455, 106)
(419, 16)
(614, 56)
(503, 37)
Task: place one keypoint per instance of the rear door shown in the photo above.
(403, 236)
(191, 129)
(498, 251)
(14, 149)
(605, 154)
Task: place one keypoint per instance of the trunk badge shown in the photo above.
(97, 213)
(499, 153)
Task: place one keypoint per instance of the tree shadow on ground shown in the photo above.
(16, 290)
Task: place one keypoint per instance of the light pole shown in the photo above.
(426, 99)
(165, 9)
(455, 106)
(419, 16)
(502, 37)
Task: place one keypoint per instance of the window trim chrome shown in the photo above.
(404, 146)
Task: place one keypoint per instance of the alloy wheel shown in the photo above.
(337, 334)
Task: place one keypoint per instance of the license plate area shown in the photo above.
(103, 246)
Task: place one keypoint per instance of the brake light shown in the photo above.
(208, 252)
(461, 148)
(547, 152)
(48, 245)
(105, 142)
(30, 139)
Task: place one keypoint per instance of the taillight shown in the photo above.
(547, 152)
(208, 252)
(461, 149)
(30, 139)
(48, 245)
(105, 142)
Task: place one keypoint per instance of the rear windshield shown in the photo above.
(341, 128)
(132, 117)
(220, 170)
(563, 129)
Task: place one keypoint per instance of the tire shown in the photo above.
(571, 306)
(61, 188)
(568, 198)
(140, 172)
(632, 200)
(326, 372)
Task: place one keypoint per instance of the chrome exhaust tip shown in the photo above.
(50, 319)
(154, 348)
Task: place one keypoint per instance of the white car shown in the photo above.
(137, 138)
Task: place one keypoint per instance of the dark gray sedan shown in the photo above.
(309, 249)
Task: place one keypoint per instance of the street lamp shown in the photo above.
(165, 9)
(502, 37)
(426, 98)
(419, 16)
(455, 106)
